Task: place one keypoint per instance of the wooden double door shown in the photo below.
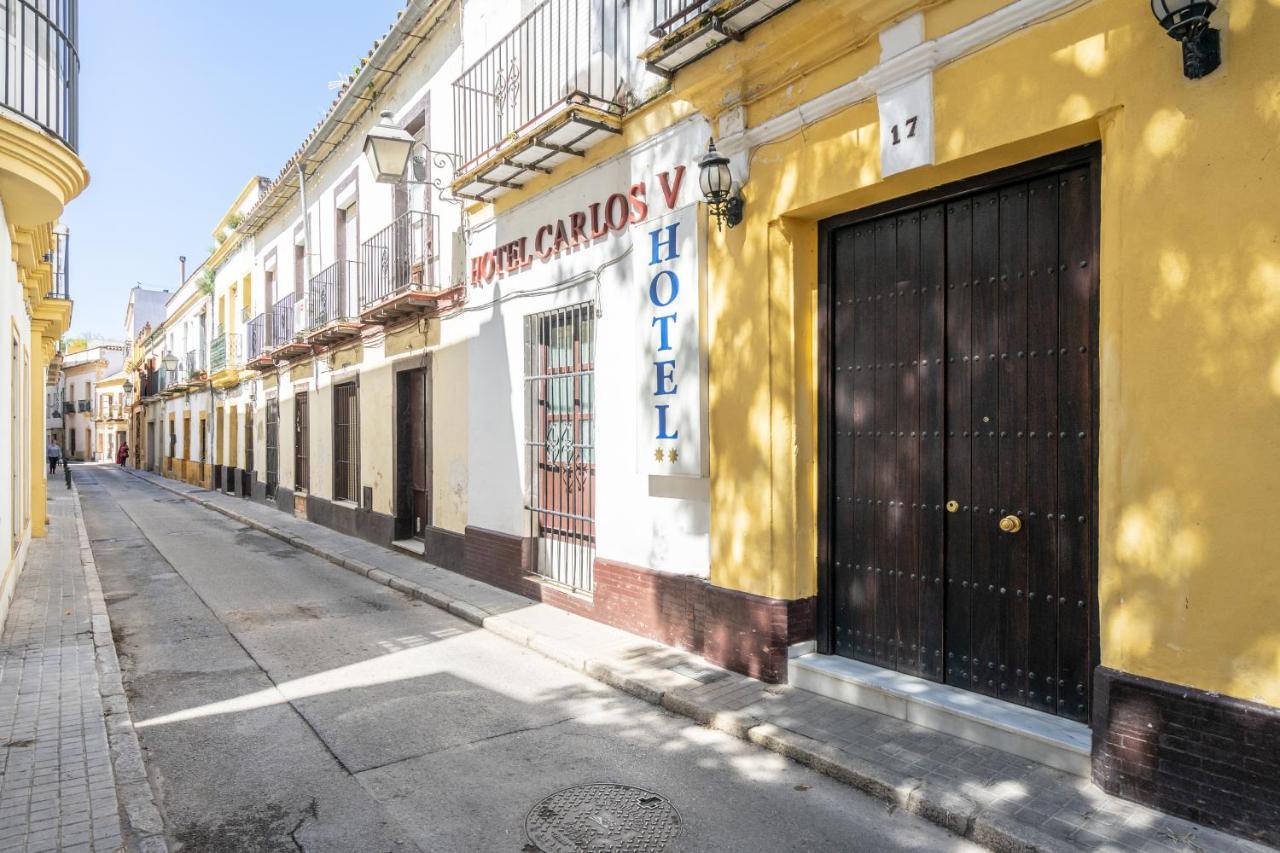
(959, 440)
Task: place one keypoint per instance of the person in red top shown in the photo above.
(122, 455)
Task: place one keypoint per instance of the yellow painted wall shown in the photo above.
(450, 429)
(1190, 306)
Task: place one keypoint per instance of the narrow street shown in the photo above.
(285, 704)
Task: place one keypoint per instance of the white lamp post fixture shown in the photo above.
(387, 146)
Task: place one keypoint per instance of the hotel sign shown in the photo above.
(666, 269)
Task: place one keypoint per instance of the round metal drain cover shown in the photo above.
(603, 818)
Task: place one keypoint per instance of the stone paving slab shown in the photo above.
(991, 797)
(57, 778)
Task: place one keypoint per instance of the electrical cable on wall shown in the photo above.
(563, 284)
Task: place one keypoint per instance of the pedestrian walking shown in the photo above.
(122, 455)
(53, 452)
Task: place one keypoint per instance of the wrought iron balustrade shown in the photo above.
(564, 51)
(224, 352)
(257, 335)
(58, 258)
(669, 15)
(401, 256)
(41, 65)
(333, 293)
(170, 378)
(282, 320)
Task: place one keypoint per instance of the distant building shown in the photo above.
(146, 306)
(82, 371)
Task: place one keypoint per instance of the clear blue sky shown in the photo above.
(181, 102)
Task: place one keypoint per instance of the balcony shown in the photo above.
(687, 30)
(42, 68)
(59, 259)
(333, 312)
(84, 406)
(172, 382)
(284, 321)
(224, 360)
(257, 339)
(401, 276)
(552, 88)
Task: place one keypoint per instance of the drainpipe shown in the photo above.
(306, 265)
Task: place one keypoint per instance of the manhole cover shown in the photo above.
(603, 818)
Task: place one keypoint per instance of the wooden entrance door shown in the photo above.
(960, 526)
(413, 461)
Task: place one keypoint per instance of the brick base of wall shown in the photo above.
(737, 630)
(1202, 756)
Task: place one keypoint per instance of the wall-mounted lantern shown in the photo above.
(1187, 21)
(387, 146)
(716, 182)
(169, 362)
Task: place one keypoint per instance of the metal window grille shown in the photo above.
(273, 446)
(301, 438)
(560, 442)
(346, 442)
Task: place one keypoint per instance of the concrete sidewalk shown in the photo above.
(69, 759)
(991, 797)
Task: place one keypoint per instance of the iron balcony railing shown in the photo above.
(332, 294)
(59, 259)
(170, 378)
(224, 352)
(282, 321)
(401, 256)
(257, 336)
(41, 65)
(669, 15)
(84, 405)
(562, 51)
(149, 381)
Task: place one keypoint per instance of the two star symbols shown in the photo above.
(672, 454)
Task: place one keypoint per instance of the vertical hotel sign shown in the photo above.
(669, 435)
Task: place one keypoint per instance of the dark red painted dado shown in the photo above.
(737, 630)
(1206, 757)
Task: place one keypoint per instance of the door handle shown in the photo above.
(1010, 524)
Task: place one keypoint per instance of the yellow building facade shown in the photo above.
(39, 174)
(1187, 314)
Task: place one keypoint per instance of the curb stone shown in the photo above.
(953, 813)
(143, 825)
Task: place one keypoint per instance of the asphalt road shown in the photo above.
(285, 704)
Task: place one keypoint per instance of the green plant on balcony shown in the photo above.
(206, 282)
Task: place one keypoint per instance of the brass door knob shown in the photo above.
(953, 506)
(1010, 524)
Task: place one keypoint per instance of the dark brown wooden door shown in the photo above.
(413, 461)
(962, 393)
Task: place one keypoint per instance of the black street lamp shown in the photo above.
(716, 182)
(1187, 21)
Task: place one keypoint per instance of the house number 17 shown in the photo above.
(911, 130)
